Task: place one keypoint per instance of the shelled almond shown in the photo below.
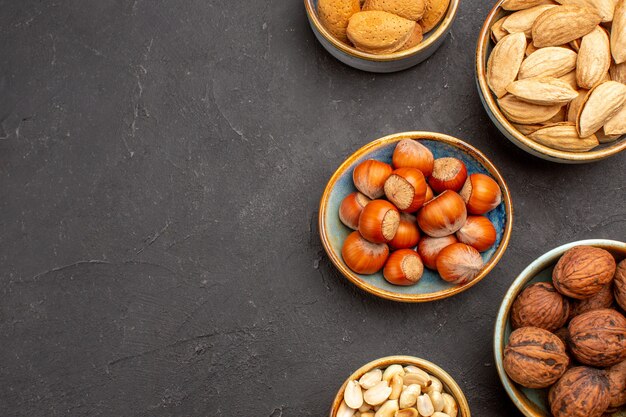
(558, 71)
(381, 26)
(398, 391)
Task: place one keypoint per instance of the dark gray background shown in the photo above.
(161, 164)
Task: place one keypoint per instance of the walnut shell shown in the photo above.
(534, 357)
(581, 392)
(583, 271)
(617, 384)
(620, 284)
(603, 299)
(562, 334)
(598, 337)
(540, 305)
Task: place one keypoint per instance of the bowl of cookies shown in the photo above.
(552, 76)
(381, 35)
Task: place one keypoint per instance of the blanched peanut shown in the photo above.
(425, 406)
(371, 378)
(344, 410)
(378, 394)
(435, 385)
(450, 407)
(391, 371)
(408, 398)
(440, 414)
(368, 414)
(396, 387)
(365, 407)
(353, 395)
(437, 399)
(388, 409)
(407, 412)
(421, 380)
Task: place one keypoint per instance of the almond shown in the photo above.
(435, 11)
(513, 5)
(563, 24)
(409, 9)
(618, 33)
(616, 125)
(523, 20)
(574, 106)
(522, 112)
(335, 14)
(604, 8)
(414, 40)
(600, 105)
(543, 91)
(594, 58)
(548, 62)
(604, 138)
(561, 116)
(618, 72)
(504, 62)
(570, 78)
(497, 32)
(379, 32)
(563, 136)
(527, 129)
(575, 44)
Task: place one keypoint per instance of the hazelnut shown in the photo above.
(617, 384)
(581, 392)
(534, 357)
(598, 337)
(583, 271)
(603, 299)
(620, 284)
(540, 305)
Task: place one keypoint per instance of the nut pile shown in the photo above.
(559, 71)
(570, 336)
(422, 195)
(397, 392)
(381, 26)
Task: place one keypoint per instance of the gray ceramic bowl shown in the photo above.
(483, 49)
(534, 402)
(397, 61)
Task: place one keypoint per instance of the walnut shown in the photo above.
(581, 392)
(534, 357)
(603, 299)
(583, 271)
(540, 305)
(598, 337)
(620, 284)
(562, 334)
(617, 384)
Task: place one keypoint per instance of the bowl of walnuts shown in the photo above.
(415, 217)
(381, 35)
(560, 336)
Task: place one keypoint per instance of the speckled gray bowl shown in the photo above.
(396, 61)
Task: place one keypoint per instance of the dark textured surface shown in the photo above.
(161, 164)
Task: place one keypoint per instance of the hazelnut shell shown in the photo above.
(581, 392)
(598, 337)
(583, 271)
(540, 305)
(534, 357)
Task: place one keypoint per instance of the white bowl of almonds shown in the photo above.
(400, 386)
(552, 76)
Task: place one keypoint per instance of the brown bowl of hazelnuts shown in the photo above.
(560, 336)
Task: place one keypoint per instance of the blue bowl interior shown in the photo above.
(337, 231)
(426, 36)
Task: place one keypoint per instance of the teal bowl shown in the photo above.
(431, 287)
(534, 402)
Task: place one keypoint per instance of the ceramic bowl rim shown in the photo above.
(489, 101)
(525, 406)
(379, 143)
(439, 31)
(433, 369)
